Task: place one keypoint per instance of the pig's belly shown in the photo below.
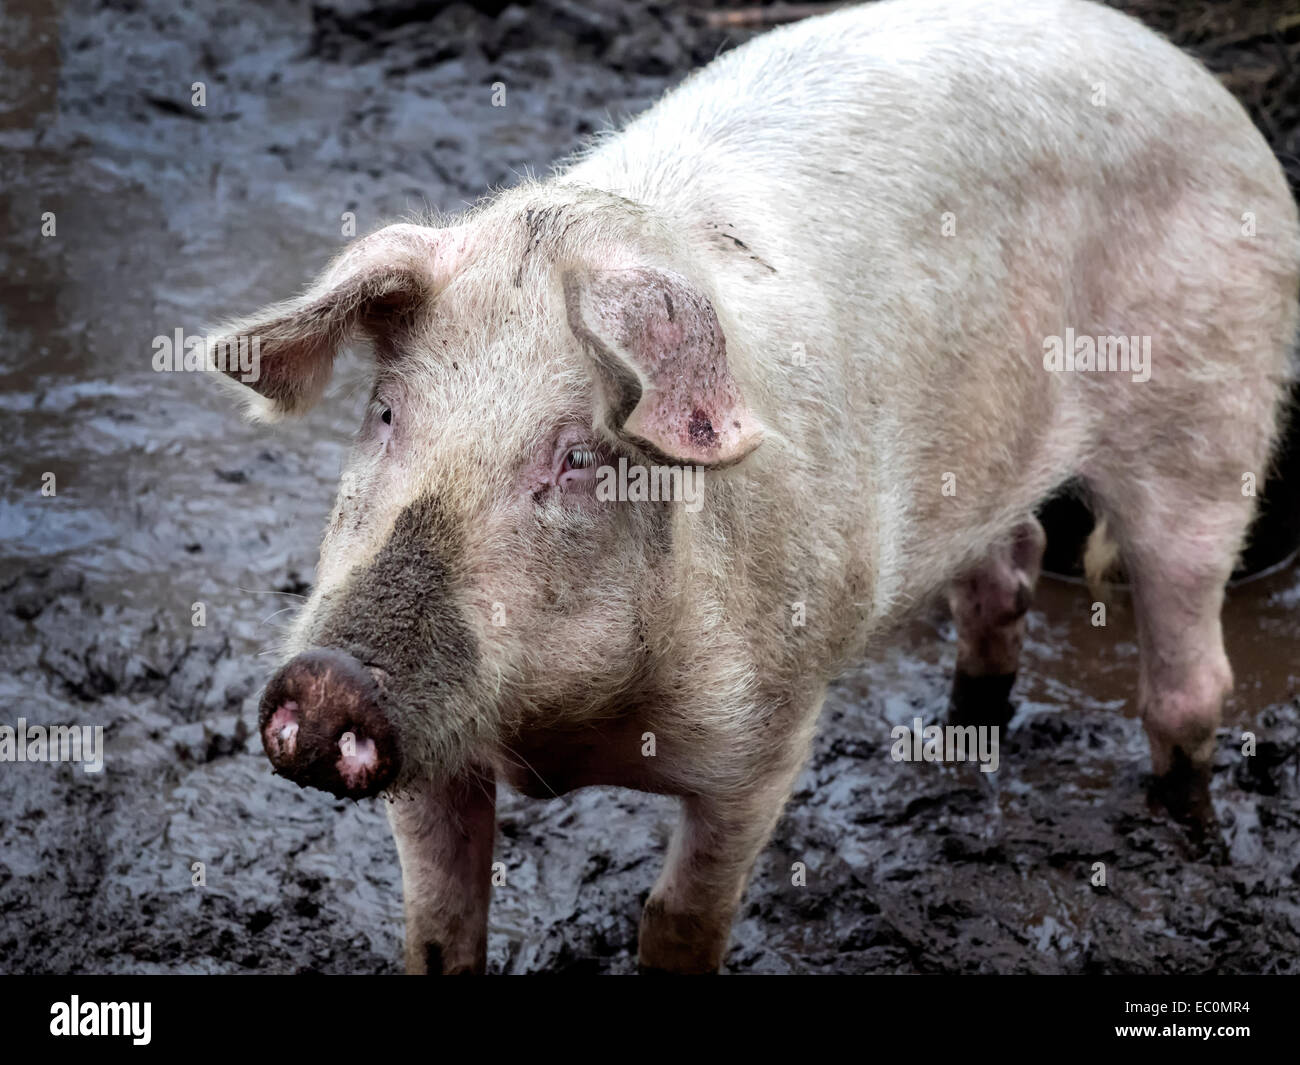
(546, 764)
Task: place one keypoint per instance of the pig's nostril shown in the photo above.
(283, 730)
(358, 759)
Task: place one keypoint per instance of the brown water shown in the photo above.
(168, 218)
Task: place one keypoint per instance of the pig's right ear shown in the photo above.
(291, 345)
(661, 362)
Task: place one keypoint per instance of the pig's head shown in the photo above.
(471, 583)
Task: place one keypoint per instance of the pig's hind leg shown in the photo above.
(1179, 549)
(989, 604)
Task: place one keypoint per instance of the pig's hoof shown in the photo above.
(436, 964)
(1184, 791)
(982, 700)
(322, 726)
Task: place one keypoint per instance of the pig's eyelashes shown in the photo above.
(578, 467)
(578, 458)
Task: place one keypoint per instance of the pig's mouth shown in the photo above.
(323, 725)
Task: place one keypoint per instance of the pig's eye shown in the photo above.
(380, 420)
(578, 467)
(578, 458)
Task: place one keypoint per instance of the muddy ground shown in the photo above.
(170, 216)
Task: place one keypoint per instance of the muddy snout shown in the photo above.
(323, 727)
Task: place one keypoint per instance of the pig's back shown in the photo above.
(911, 195)
(883, 111)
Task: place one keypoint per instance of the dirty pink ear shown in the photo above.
(371, 286)
(662, 362)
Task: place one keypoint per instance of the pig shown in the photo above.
(835, 272)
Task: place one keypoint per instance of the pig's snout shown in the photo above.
(322, 726)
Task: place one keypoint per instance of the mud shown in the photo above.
(170, 216)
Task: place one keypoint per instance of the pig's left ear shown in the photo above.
(662, 364)
(369, 287)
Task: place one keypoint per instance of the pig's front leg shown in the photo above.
(444, 841)
(687, 919)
